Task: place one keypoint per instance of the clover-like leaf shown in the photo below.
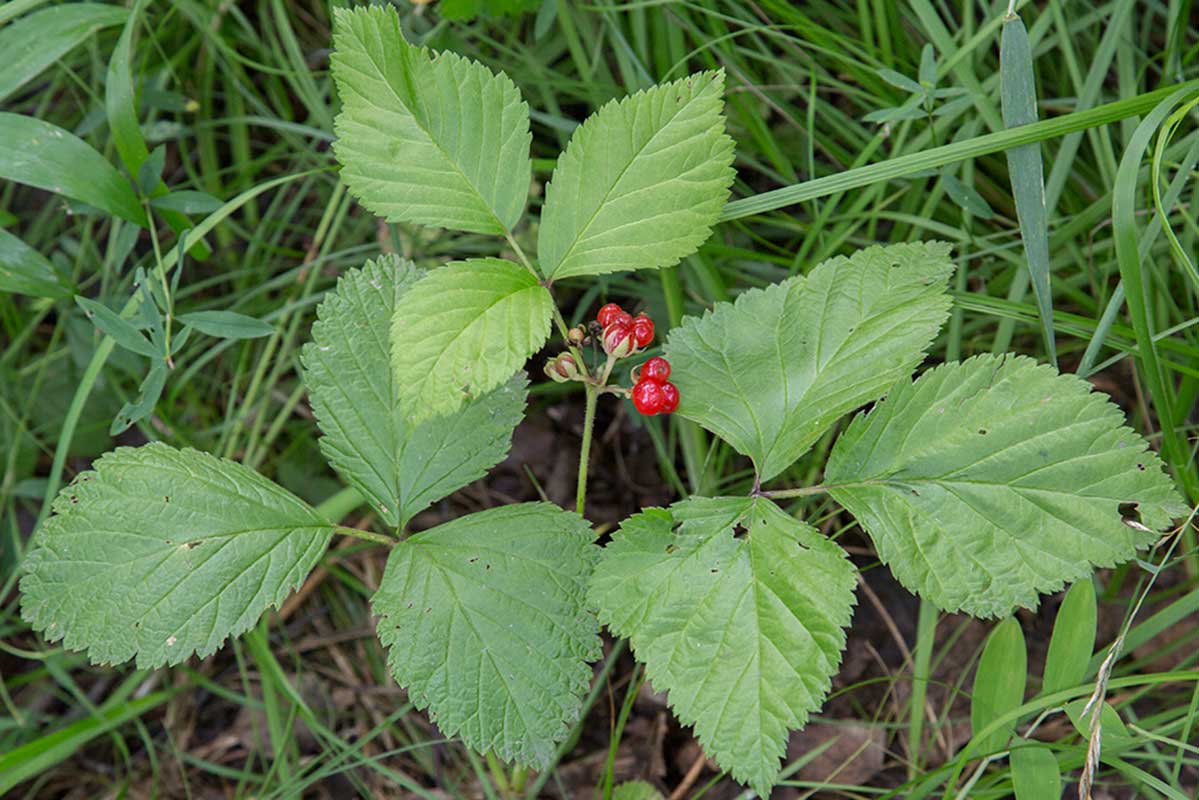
(641, 182)
(742, 629)
(464, 329)
(773, 371)
(989, 482)
(485, 624)
(399, 467)
(160, 553)
(426, 137)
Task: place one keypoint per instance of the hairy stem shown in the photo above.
(592, 394)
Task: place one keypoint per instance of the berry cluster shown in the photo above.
(624, 334)
(654, 393)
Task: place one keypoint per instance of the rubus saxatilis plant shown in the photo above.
(983, 484)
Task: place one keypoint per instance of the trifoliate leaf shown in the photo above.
(641, 182)
(743, 630)
(464, 329)
(400, 468)
(426, 137)
(160, 553)
(772, 372)
(986, 483)
(486, 627)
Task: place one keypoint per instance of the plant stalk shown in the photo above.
(592, 394)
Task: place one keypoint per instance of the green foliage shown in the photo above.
(636, 790)
(1004, 469)
(39, 154)
(464, 329)
(737, 610)
(772, 372)
(1035, 773)
(227, 324)
(26, 271)
(400, 468)
(424, 137)
(1073, 639)
(998, 685)
(34, 42)
(160, 553)
(641, 182)
(485, 623)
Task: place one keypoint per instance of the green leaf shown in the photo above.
(39, 154)
(485, 625)
(464, 329)
(160, 553)
(33, 43)
(737, 610)
(641, 182)
(900, 81)
(187, 202)
(121, 330)
(986, 483)
(427, 137)
(1073, 639)
(1035, 773)
(772, 372)
(400, 468)
(998, 685)
(24, 270)
(227, 324)
(636, 790)
(140, 408)
(149, 174)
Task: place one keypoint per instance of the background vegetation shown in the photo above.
(856, 122)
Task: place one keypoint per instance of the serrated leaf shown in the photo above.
(160, 553)
(400, 468)
(743, 632)
(24, 270)
(998, 685)
(772, 372)
(464, 329)
(641, 182)
(426, 137)
(486, 627)
(986, 483)
(1073, 639)
(227, 324)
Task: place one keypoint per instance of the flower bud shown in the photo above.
(576, 335)
(563, 368)
(619, 341)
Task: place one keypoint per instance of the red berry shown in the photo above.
(670, 398)
(621, 318)
(643, 330)
(608, 313)
(648, 398)
(618, 340)
(656, 369)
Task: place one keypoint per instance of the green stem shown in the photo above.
(926, 629)
(592, 394)
(369, 536)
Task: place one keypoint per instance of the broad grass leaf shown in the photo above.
(463, 330)
(1035, 772)
(998, 685)
(486, 627)
(426, 137)
(399, 467)
(989, 482)
(38, 40)
(738, 611)
(160, 553)
(641, 182)
(36, 153)
(773, 371)
(24, 270)
(1073, 639)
